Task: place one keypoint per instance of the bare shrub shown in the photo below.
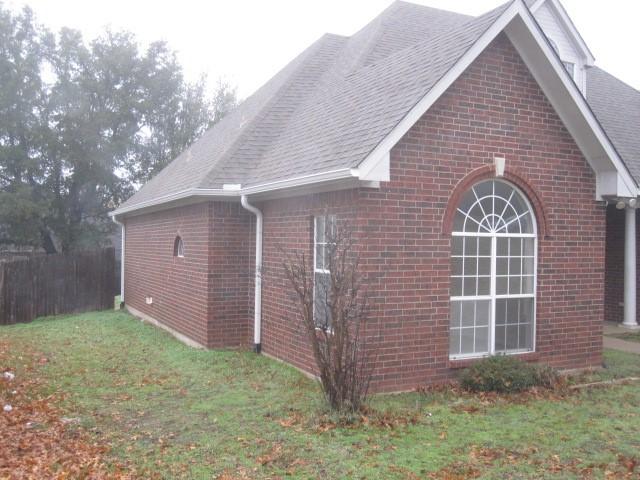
(333, 301)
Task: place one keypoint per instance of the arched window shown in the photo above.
(178, 247)
(493, 283)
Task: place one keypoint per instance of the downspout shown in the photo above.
(257, 309)
(123, 236)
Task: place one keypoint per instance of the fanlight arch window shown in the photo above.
(493, 272)
(178, 247)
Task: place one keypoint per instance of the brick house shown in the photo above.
(484, 157)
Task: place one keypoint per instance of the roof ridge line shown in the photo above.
(428, 7)
(441, 35)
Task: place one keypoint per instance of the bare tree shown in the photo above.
(333, 301)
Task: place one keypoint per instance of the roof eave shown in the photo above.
(329, 178)
(170, 199)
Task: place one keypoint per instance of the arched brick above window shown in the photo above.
(488, 172)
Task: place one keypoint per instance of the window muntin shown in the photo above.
(493, 265)
(324, 232)
(178, 247)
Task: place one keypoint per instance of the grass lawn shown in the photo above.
(169, 411)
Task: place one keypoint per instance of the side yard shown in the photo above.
(155, 408)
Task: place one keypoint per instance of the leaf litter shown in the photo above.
(37, 440)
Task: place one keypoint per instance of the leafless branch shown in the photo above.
(334, 314)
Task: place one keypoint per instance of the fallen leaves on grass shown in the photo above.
(405, 472)
(389, 419)
(485, 399)
(272, 455)
(279, 457)
(386, 419)
(480, 459)
(37, 441)
(294, 419)
(240, 474)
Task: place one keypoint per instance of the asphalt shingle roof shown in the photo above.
(616, 105)
(331, 106)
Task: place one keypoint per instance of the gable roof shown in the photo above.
(326, 112)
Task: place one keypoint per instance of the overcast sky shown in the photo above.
(248, 41)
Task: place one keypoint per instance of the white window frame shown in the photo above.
(573, 65)
(493, 296)
(178, 247)
(316, 270)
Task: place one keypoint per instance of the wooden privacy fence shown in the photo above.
(39, 285)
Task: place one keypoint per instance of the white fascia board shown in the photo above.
(381, 152)
(607, 182)
(302, 180)
(570, 27)
(191, 192)
(611, 185)
(378, 171)
(237, 191)
(626, 180)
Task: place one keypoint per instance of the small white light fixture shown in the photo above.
(633, 202)
(499, 162)
(621, 205)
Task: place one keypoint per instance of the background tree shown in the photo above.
(334, 309)
(23, 47)
(82, 125)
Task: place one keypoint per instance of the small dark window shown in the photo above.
(324, 238)
(178, 247)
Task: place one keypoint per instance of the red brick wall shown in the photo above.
(495, 108)
(205, 295)
(614, 272)
(288, 228)
(178, 286)
(231, 267)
